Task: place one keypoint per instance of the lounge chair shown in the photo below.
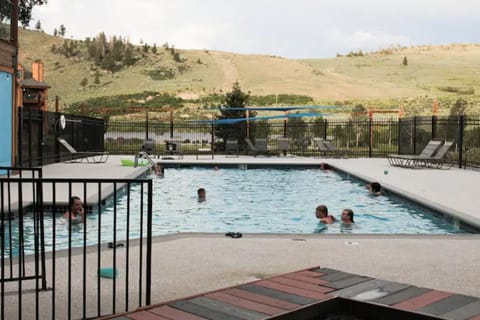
(174, 146)
(88, 156)
(412, 161)
(231, 147)
(260, 146)
(440, 159)
(327, 148)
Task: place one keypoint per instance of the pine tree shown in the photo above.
(62, 30)
(97, 77)
(234, 99)
(55, 32)
(38, 25)
(154, 48)
(84, 82)
(405, 61)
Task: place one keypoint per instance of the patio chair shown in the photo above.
(439, 160)
(412, 161)
(231, 148)
(174, 147)
(259, 147)
(88, 156)
(327, 148)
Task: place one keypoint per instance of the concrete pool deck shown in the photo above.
(188, 264)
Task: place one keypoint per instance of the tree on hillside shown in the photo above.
(154, 48)
(55, 32)
(97, 77)
(38, 26)
(405, 61)
(233, 99)
(62, 30)
(24, 10)
(84, 82)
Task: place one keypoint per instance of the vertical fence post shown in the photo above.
(325, 130)
(370, 137)
(399, 140)
(434, 127)
(20, 136)
(146, 125)
(148, 276)
(40, 137)
(461, 122)
(171, 123)
(30, 138)
(415, 135)
(57, 129)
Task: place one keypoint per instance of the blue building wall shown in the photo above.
(6, 91)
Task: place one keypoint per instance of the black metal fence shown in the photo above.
(39, 130)
(54, 267)
(359, 137)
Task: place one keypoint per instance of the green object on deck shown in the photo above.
(109, 273)
(131, 163)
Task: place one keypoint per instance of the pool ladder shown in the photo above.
(143, 154)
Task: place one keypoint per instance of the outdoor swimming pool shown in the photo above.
(254, 201)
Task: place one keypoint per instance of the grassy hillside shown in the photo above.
(376, 79)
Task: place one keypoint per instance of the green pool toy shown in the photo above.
(131, 163)
(109, 273)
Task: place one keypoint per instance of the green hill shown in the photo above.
(375, 79)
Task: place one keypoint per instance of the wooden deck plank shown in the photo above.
(422, 300)
(408, 293)
(378, 288)
(347, 282)
(306, 279)
(293, 298)
(336, 276)
(243, 303)
(190, 307)
(172, 313)
(301, 285)
(282, 304)
(448, 304)
(228, 308)
(325, 271)
(311, 274)
(466, 312)
(145, 315)
(294, 290)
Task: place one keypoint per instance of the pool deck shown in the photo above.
(282, 294)
(191, 264)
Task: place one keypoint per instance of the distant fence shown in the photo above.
(354, 137)
(359, 137)
(39, 130)
(55, 268)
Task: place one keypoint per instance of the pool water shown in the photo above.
(249, 201)
(280, 201)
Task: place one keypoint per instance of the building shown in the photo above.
(32, 92)
(8, 66)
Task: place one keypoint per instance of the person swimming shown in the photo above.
(321, 212)
(375, 189)
(202, 195)
(347, 216)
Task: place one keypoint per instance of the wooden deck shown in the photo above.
(264, 298)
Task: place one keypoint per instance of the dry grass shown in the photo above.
(374, 77)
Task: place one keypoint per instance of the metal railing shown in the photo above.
(97, 266)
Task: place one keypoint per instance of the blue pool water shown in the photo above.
(254, 201)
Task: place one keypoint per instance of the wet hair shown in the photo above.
(322, 208)
(72, 201)
(200, 191)
(350, 214)
(376, 187)
(324, 166)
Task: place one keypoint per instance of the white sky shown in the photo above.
(288, 28)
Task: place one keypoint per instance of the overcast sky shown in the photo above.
(288, 28)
